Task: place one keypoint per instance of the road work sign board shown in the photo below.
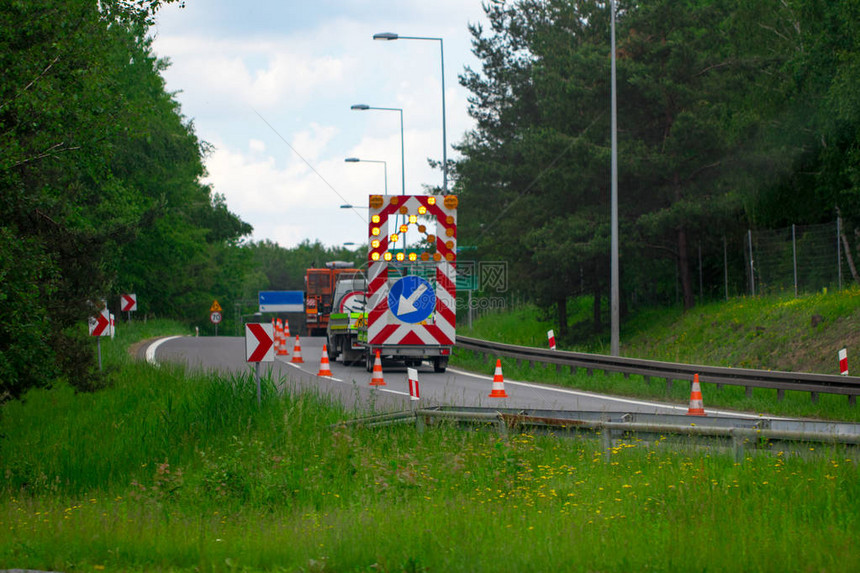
(282, 301)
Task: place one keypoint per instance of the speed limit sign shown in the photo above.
(215, 317)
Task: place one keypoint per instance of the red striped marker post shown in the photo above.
(412, 374)
(843, 362)
(551, 337)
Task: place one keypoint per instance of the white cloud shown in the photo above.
(300, 68)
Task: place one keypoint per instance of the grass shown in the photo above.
(166, 471)
(770, 333)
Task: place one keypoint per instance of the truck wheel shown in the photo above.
(440, 363)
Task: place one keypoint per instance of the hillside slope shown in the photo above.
(784, 333)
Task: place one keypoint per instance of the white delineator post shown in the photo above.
(551, 337)
(843, 362)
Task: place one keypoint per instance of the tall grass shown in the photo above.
(168, 471)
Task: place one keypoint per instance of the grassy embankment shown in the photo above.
(778, 333)
(168, 471)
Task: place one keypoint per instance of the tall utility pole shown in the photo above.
(614, 305)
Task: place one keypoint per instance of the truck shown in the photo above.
(347, 319)
(319, 288)
(411, 293)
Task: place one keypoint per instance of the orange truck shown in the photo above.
(319, 288)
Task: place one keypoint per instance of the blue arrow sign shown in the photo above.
(411, 299)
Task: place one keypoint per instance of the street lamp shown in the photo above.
(384, 166)
(391, 36)
(363, 107)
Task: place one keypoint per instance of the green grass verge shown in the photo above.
(172, 472)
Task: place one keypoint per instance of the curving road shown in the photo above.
(351, 384)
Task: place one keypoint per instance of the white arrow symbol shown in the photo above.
(407, 305)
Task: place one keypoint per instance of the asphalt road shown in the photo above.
(351, 384)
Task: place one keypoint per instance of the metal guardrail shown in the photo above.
(737, 434)
(749, 378)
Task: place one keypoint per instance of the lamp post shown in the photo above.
(363, 107)
(391, 36)
(384, 167)
(615, 321)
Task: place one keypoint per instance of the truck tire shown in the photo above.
(368, 361)
(440, 363)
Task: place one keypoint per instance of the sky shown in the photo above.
(269, 84)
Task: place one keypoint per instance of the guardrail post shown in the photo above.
(606, 443)
(814, 397)
(737, 446)
(749, 390)
(647, 379)
(573, 370)
(780, 395)
(420, 423)
(852, 400)
(558, 368)
(668, 384)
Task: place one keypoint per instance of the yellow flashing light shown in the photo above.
(374, 256)
(374, 244)
(413, 257)
(437, 256)
(422, 229)
(404, 228)
(374, 231)
(413, 219)
(449, 220)
(451, 201)
(450, 256)
(376, 201)
(404, 210)
(422, 210)
(400, 256)
(374, 219)
(431, 200)
(425, 256)
(449, 244)
(387, 256)
(395, 200)
(450, 231)
(394, 238)
(431, 238)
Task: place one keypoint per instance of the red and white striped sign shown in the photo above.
(100, 324)
(843, 362)
(384, 327)
(129, 302)
(551, 337)
(259, 342)
(412, 374)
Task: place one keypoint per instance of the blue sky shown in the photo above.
(299, 66)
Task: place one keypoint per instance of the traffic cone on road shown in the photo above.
(377, 379)
(297, 352)
(498, 382)
(324, 364)
(697, 408)
(286, 329)
(280, 340)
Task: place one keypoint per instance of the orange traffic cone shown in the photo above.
(297, 352)
(377, 379)
(280, 340)
(324, 365)
(696, 406)
(498, 382)
(286, 329)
